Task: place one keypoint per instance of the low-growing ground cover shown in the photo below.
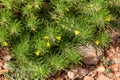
(41, 34)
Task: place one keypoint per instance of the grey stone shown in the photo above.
(90, 54)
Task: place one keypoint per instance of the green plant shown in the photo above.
(42, 33)
(114, 8)
(106, 64)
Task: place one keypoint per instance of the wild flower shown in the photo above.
(76, 32)
(36, 6)
(97, 42)
(4, 44)
(108, 18)
(46, 37)
(37, 53)
(67, 9)
(48, 44)
(58, 38)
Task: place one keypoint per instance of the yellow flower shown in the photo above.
(46, 37)
(108, 18)
(76, 32)
(33, 28)
(4, 44)
(9, 7)
(67, 9)
(48, 44)
(58, 38)
(29, 6)
(52, 62)
(36, 6)
(37, 53)
(97, 42)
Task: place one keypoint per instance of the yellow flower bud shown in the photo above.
(29, 6)
(97, 42)
(4, 44)
(9, 7)
(46, 37)
(67, 9)
(52, 62)
(33, 28)
(36, 6)
(108, 18)
(37, 53)
(58, 38)
(48, 44)
(76, 32)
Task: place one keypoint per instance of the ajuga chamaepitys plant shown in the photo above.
(41, 34)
